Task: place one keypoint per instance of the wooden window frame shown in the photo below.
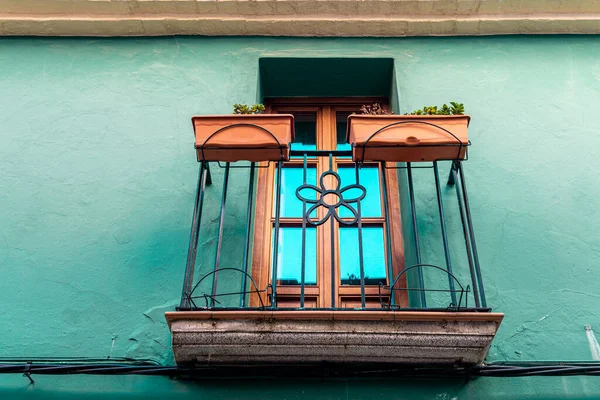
(319, 296)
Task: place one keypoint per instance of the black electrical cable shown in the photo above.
(73, 360)
(562, 369)
(136, 367)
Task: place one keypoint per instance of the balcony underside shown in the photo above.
(228, 338)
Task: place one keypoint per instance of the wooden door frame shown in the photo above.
(262, 248)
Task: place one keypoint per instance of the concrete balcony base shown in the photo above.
(235, 338)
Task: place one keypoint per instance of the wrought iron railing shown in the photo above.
(202, 291)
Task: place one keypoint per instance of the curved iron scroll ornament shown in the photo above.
(464, 292)
(332, 208)
(213, 296)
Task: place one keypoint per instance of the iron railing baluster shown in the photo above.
(472, 235)
(413, 208)
(360, 244)
(220, 237)
(245, 261)
(332, 238)
(194, 233)
(388, 238)
(276, 239)
(466, 235)
(444, 233)
(303, 265)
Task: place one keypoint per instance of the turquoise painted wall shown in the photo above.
(98, 173)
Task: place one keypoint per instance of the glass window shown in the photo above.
(373, 256)
(291, 179)
(341, 123)
(305, 128)
(369, 178)
(321, 129)
(289, 256)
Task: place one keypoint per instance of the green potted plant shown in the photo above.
(247, 134)
(429, 134)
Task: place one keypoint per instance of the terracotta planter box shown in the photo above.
(256, 137)
(410, 138)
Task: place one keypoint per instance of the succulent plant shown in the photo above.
(374, 109)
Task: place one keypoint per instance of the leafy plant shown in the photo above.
(454, 109)
(457, 108)
(246, 109)
(374, 109)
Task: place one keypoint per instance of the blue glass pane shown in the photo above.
(344, 146)
(292, 179)
(302, 146)
(289, 256)
(373, 256)
(305, 127)
(369, 178)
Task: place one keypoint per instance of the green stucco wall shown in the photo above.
(98, 173)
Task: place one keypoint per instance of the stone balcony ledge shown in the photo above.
(244, 338)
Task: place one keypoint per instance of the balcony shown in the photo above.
(238, 309)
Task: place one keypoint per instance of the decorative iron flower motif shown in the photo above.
(324, 198)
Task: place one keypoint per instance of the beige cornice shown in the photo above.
(384, 18)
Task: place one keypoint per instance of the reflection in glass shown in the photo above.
(341, 123)
(373, 256)
(305, 127)
(289, 256)
(369, 178)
